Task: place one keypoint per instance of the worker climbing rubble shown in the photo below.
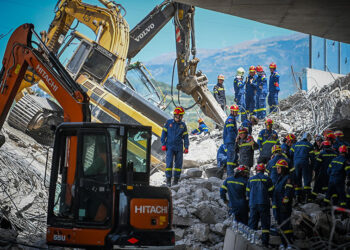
(239, 88)
(274, 88)
(202, 128)
(235, 186)
(229, 137)
(259, 193)
(250, 90)
(219, 92)
(301, 153)
(244, 148)
(261, 82)
(175, 142)
(266, 139)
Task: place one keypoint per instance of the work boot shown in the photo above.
(176, 181)
(168, 181)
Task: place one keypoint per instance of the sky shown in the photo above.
(213, 30)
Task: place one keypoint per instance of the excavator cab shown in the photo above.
(106, 199)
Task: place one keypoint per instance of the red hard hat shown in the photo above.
(326, 132)
(273, 65)
(260, 167)
(276, 148)
(242, 130)
(326, 143)
(343, 149)
(269, 121)
(241, 168)
(339, 133)
(221, 77)
(290, 137)
(234, 107)
(251, 69)
(179, 111)
(282, 163)
(259, 68)
(331, 136)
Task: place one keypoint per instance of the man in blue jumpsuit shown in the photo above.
(235, 186)
(302, 152)
(337, 171)
(259, 191)
(271, 167)
(175, 142)
(239, 88)
(339, 141)
(249, 123)
(261, 93)
(221, 157)
(289, 141)
(229, 136)
(266, 139)
(202, 128)
(250, 90)
(274, 88)
(282, 200)
(219, 92)
(323, 159)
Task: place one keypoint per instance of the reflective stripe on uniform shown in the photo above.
(290, 231)
(265, 231)
(289, 185)
(330, 155)
(302, 145)
(274, 142)
(307, 187)
(224, 187)
(185, 133)
(247, 189)
(230, 163)
(298, 188)
(236, 182)
(168, 169)
(230, 125)
(271, 188)
(165, 129)
(318, 159)
(177, 169)
(258, 180)
(292, 149)
(339, 162)
(245, 144)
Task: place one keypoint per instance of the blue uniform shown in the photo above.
(286, 149)
(230, 134)
(238, 204)
(250, 92)
(274, 88)
(259, 190)
(339, 142)
(266, 140)
(248, 124)
(323, 159)
(260, 107)
(221, 157)
(219, 95)
(175, 138)
(201, 128)
(282, 201)
(301, 152)
(337, 172)
(271, 166)
(239, 87)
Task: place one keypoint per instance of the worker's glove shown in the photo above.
(285, 200)
(186, 151)
(276, 84)
(164, 148)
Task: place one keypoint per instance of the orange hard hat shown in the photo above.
(259, 68)
(273, 65)
(200, 120)
(221, 77)
(234, 107)
(179, 111)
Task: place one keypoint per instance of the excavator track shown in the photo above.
(36, 116)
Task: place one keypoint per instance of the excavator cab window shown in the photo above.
(91, 59)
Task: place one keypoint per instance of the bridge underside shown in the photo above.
(323, 18)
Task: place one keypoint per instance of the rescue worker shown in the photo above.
(339, 141)
(259, 191)
(326, 132)
(219, 92)
(239, 88)
(274, 88)
(221, 156)
(277, 155)
(235, 186)
(260, 107)
(250, 122)
(282, 199)
(229, 136)
(323, 159)
(332, 138)
(244, 148)
(175, 142)
(290, 139)
(250, 90)
(266, 139)
(202, 128)
(301, 153)
(337, 171)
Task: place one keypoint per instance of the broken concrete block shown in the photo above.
(190, 164)
(182, 221)
(179, 233)
(205, 213)
(201, 232)
(194, 172)
(311, 207)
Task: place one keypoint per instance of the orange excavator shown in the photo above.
(99, 195)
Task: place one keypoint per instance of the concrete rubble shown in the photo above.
(200, 219)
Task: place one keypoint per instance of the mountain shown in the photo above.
(284, 51)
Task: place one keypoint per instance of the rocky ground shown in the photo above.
(200, 217)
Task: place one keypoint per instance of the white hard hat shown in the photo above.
(240, 71)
